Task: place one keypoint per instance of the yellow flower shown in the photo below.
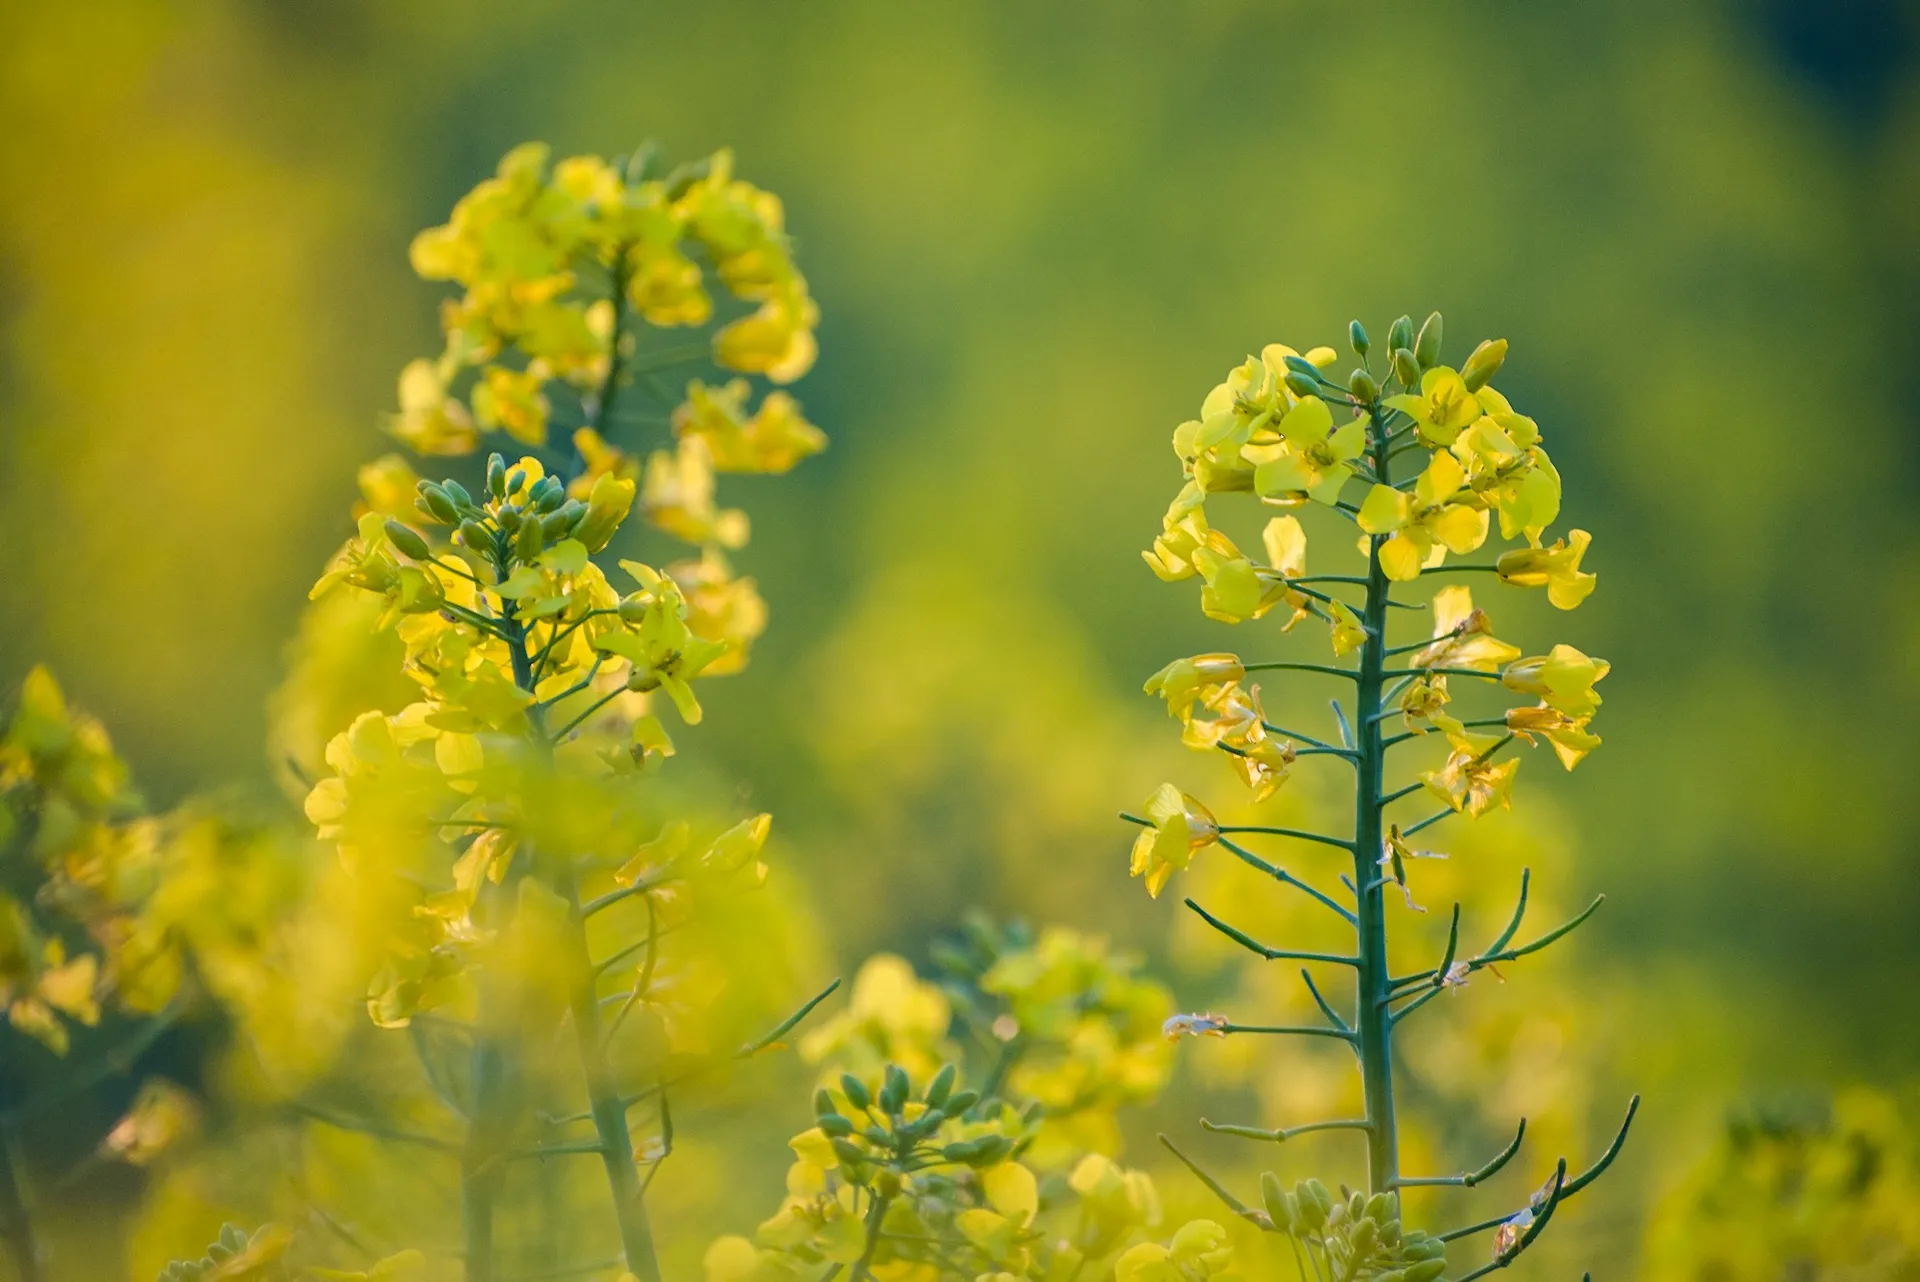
(1556, 568)
(1181, 828)
(1462, 636)
(1507, 468)
(430, 421)
(772, 440)
(1348, 632)
(1199, 1251)
(1563, 679)
(1470, 781)
(720, 608)
(1185, 682)
(678, 498)
(511, 400)
(1443, 407)
(1567, 736)
(1239, 727)
(1312, 459)
(1425, 524)
(1183, 531)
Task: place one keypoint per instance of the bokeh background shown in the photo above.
(1038, 234)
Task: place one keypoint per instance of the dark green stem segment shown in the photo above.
(608, 1107)
(482, 1163)
(16, 1211)
(1372, 1022)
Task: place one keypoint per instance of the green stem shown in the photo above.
(1372, 1023)
(16, 1209)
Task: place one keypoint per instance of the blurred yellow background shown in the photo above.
(1038, 234)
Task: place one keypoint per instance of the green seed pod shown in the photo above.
(1381, 1207)
(1426, 348)
(1427, 1270)
(1301, 385)
(496, 476)
(894, 1089)
(1405, 367)
(855, 1091)
(960, 1101)
(847, 1151)
(1484, 363)
(836, 1126)
(1357, 336)
(1401, 335)
(942, 1085)
(823, 1103)
(458, 493)
(1272, 1196)
(1361, 385)
(528, 540)
(409, 542)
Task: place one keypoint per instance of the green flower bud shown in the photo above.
(496, 476)
(836, 1126)
(574, 510)
(855, 1091)
(991, 1149)
(554, 525)
(552, 496)
(1318, 1192)
(528, 540)
(632, 610)
(509, 518)
(942, 1085)
(404, 538)
(1401, 334)
(962, 1151)
(822, 1100)
(1272, 1196)
(1484, 364)
(1365, 1236)
(894, 1089)
(1356, 1205)
(458, 493)
(1427, 1270)
(515, 479)
(878, 1136)
(1406, 368)
(475, 535)
(847, 1151)
(1357, 336)
(1311, 1209)
(1300, 384)
(1426, 348)
(1362, 387)
(439, 503)
(1381, 1207)
(960, 1101)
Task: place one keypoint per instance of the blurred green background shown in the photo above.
(1038, 234)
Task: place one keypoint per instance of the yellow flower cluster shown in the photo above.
(550, 259)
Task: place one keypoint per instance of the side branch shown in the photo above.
(1492, 957)
(1467, 1179)
(1220, 1191)
(1563, 1188)
(1270, 954)
(1285, 1133)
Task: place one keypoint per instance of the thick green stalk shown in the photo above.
(608, 1108)
(482, 1164)
(1373, 1022)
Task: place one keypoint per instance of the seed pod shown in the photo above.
(409, 542)
(1301, 385)
(1401, 335)
(822, 1100)
(1357, 336)
(855, 1091)
(1405, 367)
(1484, 363)
(960, 1101)
(528, 540)
(835, 1126)
(1426, 348)
(458, 493)
(894, 1089)
(1361, 385)
(496, 476)
(942, 1085)
(1272, 1196)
